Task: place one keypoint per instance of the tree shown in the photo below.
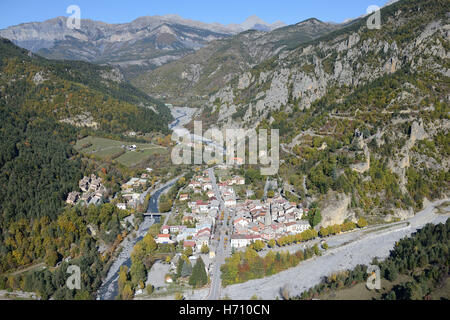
(179, 296)
(186, 271)
(137, 272)
(127, 293)
(188, 251)
(258, 245)
(205, 249)
(179, 266)
(315, 217)
(123, 277)
(272, 243)
(199, 277)
(150, 243)
(362, 223)
(51, 258)
(150, 289)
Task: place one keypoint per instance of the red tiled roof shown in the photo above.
(189, 243)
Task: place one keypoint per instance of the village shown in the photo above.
(94, 192)
(252, 220)
(215, 213)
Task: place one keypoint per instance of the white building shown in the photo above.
(241, 240)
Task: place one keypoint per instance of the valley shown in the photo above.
(357, 120)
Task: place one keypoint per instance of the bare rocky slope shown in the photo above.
(197, 75)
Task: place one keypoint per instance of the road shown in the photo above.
(222, 249)
(346, 251)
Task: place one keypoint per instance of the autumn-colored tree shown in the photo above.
(205, 249)
(179, 296)
(51, 257)
(362, 223)
(123, 277)
(272, 243)
(188, 251)
(258, 245)
(127, 292)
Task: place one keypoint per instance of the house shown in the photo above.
(165, 229)
(122, 206)
(86, 197)
(73, 197)
(240, 241)
(202, 240)
(202, 206)
(189, 244)
(210, 194)
(95, 184)
(243, 223)
(304, 225)
(134, 183)
(297, 227)
(249, 193)
(184, 197)
(204, 232)
(149, 170)
(164, 239)
(84, 184)
(175, 229)
(230, 202)
(194, 184)
(207, 187)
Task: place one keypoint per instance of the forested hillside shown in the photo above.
(77, 92)
(42, 104)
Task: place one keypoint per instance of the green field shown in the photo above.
(110, 149)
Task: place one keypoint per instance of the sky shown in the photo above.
(13, 12)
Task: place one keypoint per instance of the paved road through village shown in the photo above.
(223, 246)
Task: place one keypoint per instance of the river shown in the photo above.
(110, 288)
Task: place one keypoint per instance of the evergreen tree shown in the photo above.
(199, 277)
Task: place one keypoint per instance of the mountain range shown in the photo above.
(145, 43)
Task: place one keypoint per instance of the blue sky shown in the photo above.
(14, 12)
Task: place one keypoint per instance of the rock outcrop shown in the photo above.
(335, 210)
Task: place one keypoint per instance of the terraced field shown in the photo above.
(113, 150)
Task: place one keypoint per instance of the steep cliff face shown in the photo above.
(352, 57)
(335, 210)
